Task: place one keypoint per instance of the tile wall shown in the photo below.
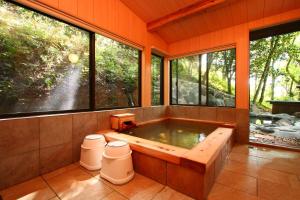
(36, 145)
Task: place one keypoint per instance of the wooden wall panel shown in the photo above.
(52, 3)
(85, 10)
(101, 14)
(146, 78)
(290, 4)
(237, 12)
(68, 6)
(227, 14)
(272, 7)
(254, 11)
(150, 10)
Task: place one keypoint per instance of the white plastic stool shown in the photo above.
(117, 165)
(91, 151)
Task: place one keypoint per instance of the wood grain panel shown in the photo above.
(290, 4)
(237, 12)
(255, 9)
(272, 7)
(182, 13)
(68, 6)
(52, 3)
(85, 10)
(151, 167)
(150, 10)
(228, 14)
(192, 183)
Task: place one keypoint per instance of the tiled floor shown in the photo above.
(255, 173)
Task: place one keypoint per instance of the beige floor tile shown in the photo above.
(277, 173)
(221, 192)
(265, 152)
(33, 189)
(250, 169)
(77, 184)
(252, 150)
(291, 161)
(280, 166)
(243, 158)
(238, 181)
(59, 171)
(95, 173)
(170, 194)
(114, 196)
(272, 153)
(273, 191)
(138, 188)
(244, 149)
(261, 172)
(279, 177)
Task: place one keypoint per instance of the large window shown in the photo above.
(157, 64)
(117, 74)
(205, 79)
(185, 80)
(44, 63)
(49, 66)
(275, 85)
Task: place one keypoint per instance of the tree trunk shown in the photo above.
(291, 89)
(273, 45)
(262, 94)
(289, 73)
(130, 99)
(225, 68)
(209, 60)
(273, 85)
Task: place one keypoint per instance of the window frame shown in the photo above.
(280, 29)
(161, 100)
(92, 73)
(199, 88)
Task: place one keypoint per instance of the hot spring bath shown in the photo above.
(186, 155)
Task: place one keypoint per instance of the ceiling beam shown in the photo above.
(184, 12)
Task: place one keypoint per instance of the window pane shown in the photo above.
(221, 71)
(156, 73)
(203, 79)
(187, 71)
(117, 74)
(44, 63)
(174, 70)
(212, 75)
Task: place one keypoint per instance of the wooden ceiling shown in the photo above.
(224, 14)
(150, 10)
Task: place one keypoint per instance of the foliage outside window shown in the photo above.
(274, 70)
(205, 79)
(47, 66)
(275, 85)
(117, 74)
(157, 79)
(44, 63)
(185, 80)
